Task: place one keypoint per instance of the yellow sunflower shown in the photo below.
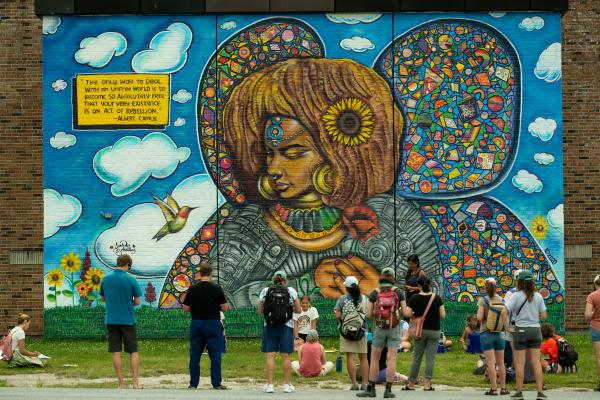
(539, 227)
(93, 278)
(349, 121)
(55, 277)
(70, 262)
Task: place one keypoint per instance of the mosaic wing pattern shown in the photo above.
(458, 84)
(256, 46)
(480, 237)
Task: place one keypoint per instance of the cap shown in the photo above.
(525, 275)
(490, 281)
(313, 333)
(350, 281)
(389, 271)
(516, 273)
(280, 273)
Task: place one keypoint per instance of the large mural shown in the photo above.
(325, 145)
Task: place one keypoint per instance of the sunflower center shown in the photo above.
(55, 277)
(95, 279)
(70, 263)
(348, 123)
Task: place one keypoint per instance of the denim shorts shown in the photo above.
(595, 335)
(278, 339)
(492, 340)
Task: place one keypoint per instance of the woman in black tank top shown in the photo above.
(412, 276)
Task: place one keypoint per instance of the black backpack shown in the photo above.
(277, 307)
(567, 356)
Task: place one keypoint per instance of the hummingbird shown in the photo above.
(176, 216)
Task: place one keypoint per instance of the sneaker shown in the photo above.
(363, 387)
(541, 396)
(192, 387)
(517, 396)
(268, 388)
(355, 386)
(288, 388)
(220, 387)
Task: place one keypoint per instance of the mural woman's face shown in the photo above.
(292, 156)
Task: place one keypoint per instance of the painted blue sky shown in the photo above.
(69, 170)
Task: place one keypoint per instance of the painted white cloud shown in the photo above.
(548, 66)
(497, 14)
(59, 84)
(542, 128)
(50, 24)
(128, 163)
(543, 158)
(527, 182)
(182, 96)
(62, 140)
(60, 210)
(98, 51)
(556, 218)
(179, 121)
(532, 24)
(227, 25)
(353, 18)
(357, 44)
(167, 51)
(142, 221)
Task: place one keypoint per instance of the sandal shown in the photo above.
(431, 389)
(407, 388)
(491, 392)
(504, 391)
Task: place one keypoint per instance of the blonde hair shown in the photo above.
(597, 280)
(304, 89)
(23, 318)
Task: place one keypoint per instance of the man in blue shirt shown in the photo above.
(120, 291)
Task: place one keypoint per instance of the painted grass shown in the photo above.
(243, 361)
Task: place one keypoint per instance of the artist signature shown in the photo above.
(550, 256)
(123, 247)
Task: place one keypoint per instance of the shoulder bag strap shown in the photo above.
(429, 305)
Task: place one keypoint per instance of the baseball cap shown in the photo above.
(313, 333)
(350, 281)
(490, 281)
(280, 273)
(525, 275)
(389, 271)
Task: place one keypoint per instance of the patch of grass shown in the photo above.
(4, 383)
(244, 362)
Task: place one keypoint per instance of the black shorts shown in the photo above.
(527, 338)
(120, 336)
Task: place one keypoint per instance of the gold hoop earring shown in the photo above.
(321, 179)
(265, 189)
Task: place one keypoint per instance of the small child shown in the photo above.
(311, 358)
(405, 344)
(471, 326)
(549, 349)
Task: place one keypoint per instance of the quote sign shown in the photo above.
(121, 101)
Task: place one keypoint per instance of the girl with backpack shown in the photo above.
(592, 314)
(493, 319)
(21, 357)
(430, 307)
(527, 308)
(351, 311)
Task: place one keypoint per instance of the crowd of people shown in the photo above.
(399, 315)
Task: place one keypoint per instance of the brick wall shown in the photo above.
(21, 201)
(21, 205)
(581, 118)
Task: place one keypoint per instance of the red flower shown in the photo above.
(362, 222)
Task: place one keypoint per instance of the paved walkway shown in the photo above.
(208, 394)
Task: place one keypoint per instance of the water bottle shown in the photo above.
(441, 347)
(338, 363)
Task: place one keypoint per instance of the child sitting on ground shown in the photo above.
(549, 349)
(311, 358)
(405, 345)
(471, 327)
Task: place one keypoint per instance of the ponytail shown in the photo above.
(354, 293)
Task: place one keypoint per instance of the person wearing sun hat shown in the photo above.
(527, 309)
(385, 305)
(351, 311)
(490, 308)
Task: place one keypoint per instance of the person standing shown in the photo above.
(121, 292)
(592, 314)
(205, 301)
(430, 306)
(305, 320)
(278, 303)
(384, 307)
(413, 274)
(351, 311)
(492, 316)
(527, 309)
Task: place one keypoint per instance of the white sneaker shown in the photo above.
(268, 388)
(288, 388)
